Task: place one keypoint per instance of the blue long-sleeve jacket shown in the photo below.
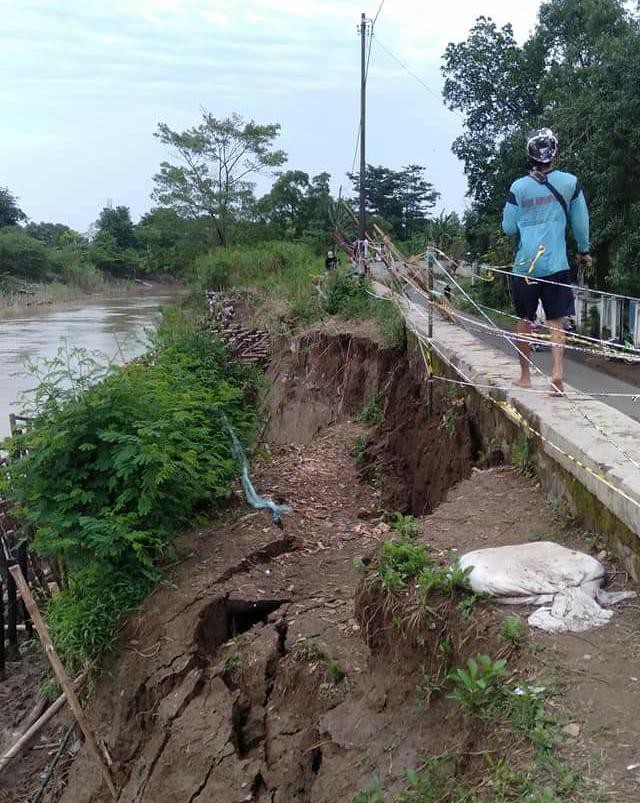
(535, 214)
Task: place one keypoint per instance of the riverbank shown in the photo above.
(257, 673)
(115, 328)
(56, 295)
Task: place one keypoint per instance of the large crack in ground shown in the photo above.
(247, 678)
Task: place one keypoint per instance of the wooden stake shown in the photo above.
(13, 651)
(2, 658)
(22, 562)
(26, 737)
(42, 720)
(62, 677)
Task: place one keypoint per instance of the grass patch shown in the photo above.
(522, 456)
(308, 650)
(291, 287)
(513, 631)
(372, 413)
(449, 421)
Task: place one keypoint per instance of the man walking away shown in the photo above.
(539, 209)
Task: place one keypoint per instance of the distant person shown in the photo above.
(539, 209)
(331, 261)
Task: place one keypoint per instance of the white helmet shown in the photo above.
(542, 146)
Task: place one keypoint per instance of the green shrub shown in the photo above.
(399, 560)
(372, 413)
(513, 631)
(23, 256)
(372, 794)
(346, 296)
(481, 686)
(214, 269)
(405, 525)
(113, 470)
(77, 271)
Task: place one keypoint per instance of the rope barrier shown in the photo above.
(507, 270)
(634, 397)
(521, 420)
(584, 395)
(524, 338)
(560, 391)
(622, 352)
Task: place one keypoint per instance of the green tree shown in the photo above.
(285, 204)
(217, 159)
(403, 197)
(54, 235)
(10, 212)
(576, 74)
(320, 211)
(170, 242)
(23, 256)
(115, 225)
(446, 231)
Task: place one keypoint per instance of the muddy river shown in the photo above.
(115, 327)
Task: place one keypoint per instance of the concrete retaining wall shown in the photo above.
(575, 462)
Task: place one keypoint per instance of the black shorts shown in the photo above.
(557, 302)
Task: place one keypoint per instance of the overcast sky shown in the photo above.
(83, 85)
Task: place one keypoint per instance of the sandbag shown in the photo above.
(567, 583)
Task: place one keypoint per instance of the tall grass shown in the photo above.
(289, 282)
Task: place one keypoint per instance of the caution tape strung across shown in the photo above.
(517, 418)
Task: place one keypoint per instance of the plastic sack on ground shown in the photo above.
(565, 582)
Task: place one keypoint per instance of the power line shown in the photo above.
(375, 19)
(417, 77)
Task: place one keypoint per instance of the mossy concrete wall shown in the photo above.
(583, 475)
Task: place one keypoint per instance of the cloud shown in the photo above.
(79, 76)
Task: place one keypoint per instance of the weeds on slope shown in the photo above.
(290, 286)
(514, 740)
(118, 461)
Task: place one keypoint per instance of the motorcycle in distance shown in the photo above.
(621, 349)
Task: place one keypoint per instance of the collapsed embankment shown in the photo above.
(423, 441)
(269, 669)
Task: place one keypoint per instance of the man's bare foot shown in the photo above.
(557, 388)
(523, 382)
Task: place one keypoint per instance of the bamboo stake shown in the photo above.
(18, 746)
(62, 677)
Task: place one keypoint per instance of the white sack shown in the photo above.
(565, 581)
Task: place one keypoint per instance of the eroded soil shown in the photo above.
(248, 678)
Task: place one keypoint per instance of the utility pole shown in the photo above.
(362, 222)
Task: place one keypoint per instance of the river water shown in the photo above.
(114, 327)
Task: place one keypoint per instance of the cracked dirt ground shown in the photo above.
(226, 681)
(246, 677)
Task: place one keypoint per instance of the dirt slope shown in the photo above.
(191, 713)
(246, 676)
